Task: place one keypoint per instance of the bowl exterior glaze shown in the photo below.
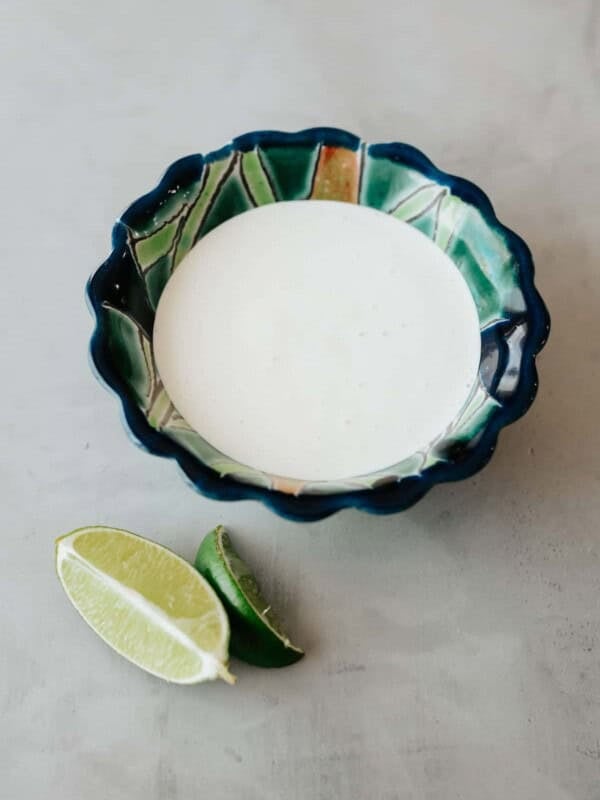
(199, 192)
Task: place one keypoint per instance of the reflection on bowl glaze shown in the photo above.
(198, 192)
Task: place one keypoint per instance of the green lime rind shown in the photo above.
(257, 636)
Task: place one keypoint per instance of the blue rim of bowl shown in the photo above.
(385, 499)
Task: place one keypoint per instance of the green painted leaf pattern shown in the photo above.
(157, 275)
(290, 169)
(151, 248)
(386, 183)
(488, 267)
(240, 180)
(424, 201)
(256, 179)
(215, 175)
(232, 199)
(128, 347)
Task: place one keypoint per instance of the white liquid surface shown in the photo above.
(317, 340)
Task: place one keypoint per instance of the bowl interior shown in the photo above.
(198, 193)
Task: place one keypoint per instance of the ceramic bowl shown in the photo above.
(199, 192)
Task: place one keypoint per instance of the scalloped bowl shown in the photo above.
(197, 193)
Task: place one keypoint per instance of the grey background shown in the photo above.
(453, 651)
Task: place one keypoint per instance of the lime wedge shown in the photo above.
(146, 603)
(256, 633)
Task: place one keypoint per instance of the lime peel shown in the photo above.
(257, 635)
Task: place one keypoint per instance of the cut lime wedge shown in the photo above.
(146, 603)
(256, 633)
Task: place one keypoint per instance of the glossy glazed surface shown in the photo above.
(198, 193)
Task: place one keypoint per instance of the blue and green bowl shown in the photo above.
(198, 192)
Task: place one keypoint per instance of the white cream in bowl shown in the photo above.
(317, 340)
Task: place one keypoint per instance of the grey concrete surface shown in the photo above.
(452, 651)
